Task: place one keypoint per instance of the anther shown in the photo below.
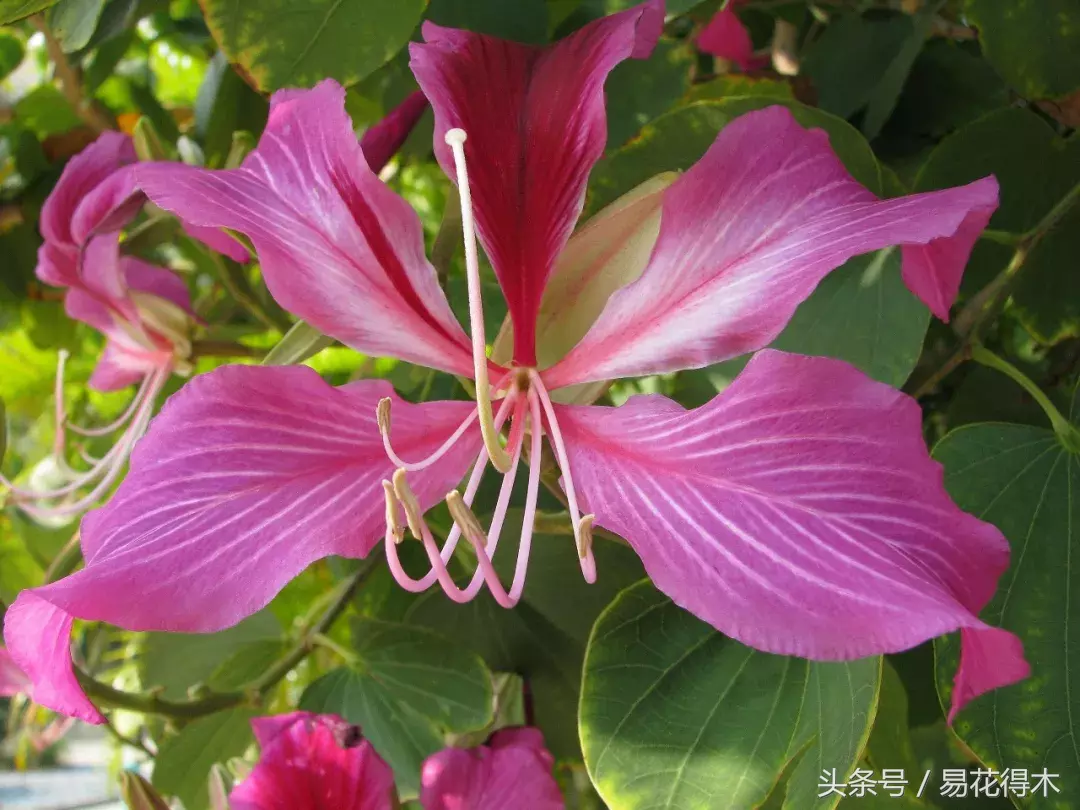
(382, 416)
(465, 518)
(414, 515)
(392, 522)
(584, 535)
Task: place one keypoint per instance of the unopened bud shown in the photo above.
(219, 786)
(138, 794)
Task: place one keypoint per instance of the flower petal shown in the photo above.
(799, 513)
(745, 237)
(12, 679)
(514, 770)
(727, 38)
(382, 141)
(304, 766)
(536, 125)
(247, 475)
(338, 248)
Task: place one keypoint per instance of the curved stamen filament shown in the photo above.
(104, 472)
(121, 420)
(582, 525)
(382, 416)
(500, 458)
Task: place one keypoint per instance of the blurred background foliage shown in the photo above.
(914, 94)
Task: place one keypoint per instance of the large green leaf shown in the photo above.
(862, 312)
(182, 766)
(407, 690)
(676, 140)
(671, 7)
(1022, 479)
(1036, 169)
(175, 662)
(73, 22)
(639, 90)
(521, 21)
(297, 43)
(676, 715)
(224, 105)
(12, 10)
(1034, 44)
(543, 638)
(11, 53)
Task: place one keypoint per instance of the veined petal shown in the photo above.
(536, 125)
(800, 513)
(338, 248)
(12, 679)
(745, 237)
(513, 770)
(305, 765)
(246, 476)
(727, 38)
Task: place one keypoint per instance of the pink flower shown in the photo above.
(312, 762)
(513, 770)
(727, 38)
(144, 312)
(797, 512)
(12, 679)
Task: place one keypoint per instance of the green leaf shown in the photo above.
(543, 638)
(521, 21)
(297, 43)
(407, 690)
(677, 139)
(300, 343)
(73, 22)
(638, 90)
(182, 767)
(1036, 169)
(738, 84)
(14, 10)
(862, 312)
(1034, 44)
(45, 112)
(1026, 483)
(11, 53)
(672, 8)
(224, 105)
(246, 664)
(178, 661)
(676, 715)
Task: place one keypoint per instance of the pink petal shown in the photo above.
(218, 241)
(305, 766)
(382, 141)
(80, 177)
(535, 124)
(513, 771)
(12, 679)
(799, 513)
(338, 248)
(149, 278)
(246, 476)
(748, 233)
(118, 367)
(726, 37)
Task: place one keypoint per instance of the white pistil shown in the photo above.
(500, 458)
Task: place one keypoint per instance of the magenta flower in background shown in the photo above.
(512, 770)
(797, 512)
(314, 762)
(725, 37)
(12, 679)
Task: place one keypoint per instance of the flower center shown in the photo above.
(523, 401)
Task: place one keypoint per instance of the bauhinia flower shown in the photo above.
(512, 770)
(797, 512)
(314, 762)
(144, 312)
(12, 679)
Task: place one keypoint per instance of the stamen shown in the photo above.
(414, 515)
(60, 413)
(121, 420)
(474, 533)
(500, 458)
(582, 525)
(393, 525)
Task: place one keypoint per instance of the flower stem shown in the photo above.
(253, 694)
(1066, 431)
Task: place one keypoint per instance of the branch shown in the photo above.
(92, 113)
(973, 319)
(151, 701)
(223, 348)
